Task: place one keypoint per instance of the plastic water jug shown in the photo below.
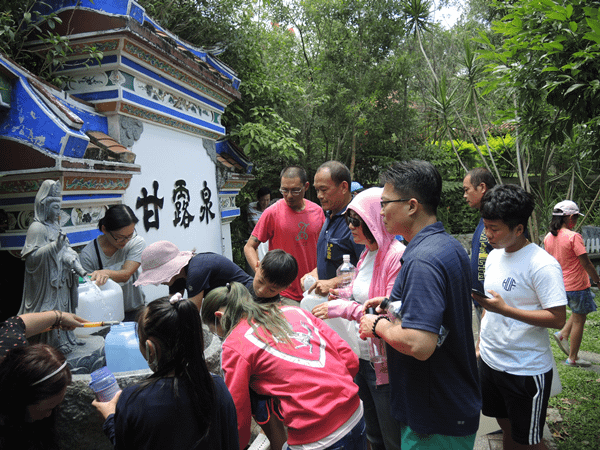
(309, 301)
(99, 303)
(346, 329)
(122, 349)
(104, 384)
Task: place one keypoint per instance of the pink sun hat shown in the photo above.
(161, 261)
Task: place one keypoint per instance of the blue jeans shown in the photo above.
(354, 440)
(383, 431)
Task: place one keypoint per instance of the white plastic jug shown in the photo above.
(122, 349)
(99, 303)
(347, 330)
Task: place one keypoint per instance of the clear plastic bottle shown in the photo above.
(377, 352)
(346, 271)
(442, 335)
(393, 309)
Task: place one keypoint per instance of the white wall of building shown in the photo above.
(166, 155)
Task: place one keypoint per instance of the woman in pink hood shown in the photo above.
(375, 275)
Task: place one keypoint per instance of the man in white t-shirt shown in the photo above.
(528, 296)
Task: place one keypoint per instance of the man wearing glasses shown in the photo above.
(292, 224)
(431, 354)
(332, 183)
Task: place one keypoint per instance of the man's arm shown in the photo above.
(547, 318)
(419, 344)
(251, 251)
(321, 287)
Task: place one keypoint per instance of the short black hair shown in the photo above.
(338, 171)
(482, 175)
(509, 203)
(294, 172)
(418, 179)
(262, 192)
(117, 217)
(279, 267)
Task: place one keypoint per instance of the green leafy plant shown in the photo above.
(29, 38)
(579, 402)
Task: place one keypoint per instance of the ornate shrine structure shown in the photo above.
(143, 127)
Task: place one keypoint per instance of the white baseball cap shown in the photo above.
(566, 208)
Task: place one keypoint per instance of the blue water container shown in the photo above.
(104, 384)
(122, 349)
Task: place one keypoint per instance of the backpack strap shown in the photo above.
(98, 254)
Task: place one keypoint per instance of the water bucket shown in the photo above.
(122, 349)
(99, 304)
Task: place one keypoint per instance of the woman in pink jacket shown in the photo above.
(286, 353)
(375, 275)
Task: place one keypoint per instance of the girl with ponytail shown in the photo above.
(181, 405)
(287, 354)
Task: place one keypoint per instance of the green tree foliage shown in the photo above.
(549, 56)
(20, 24)
(201, 22)
(548, 60)
(368, 82)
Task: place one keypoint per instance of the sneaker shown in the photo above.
(578, 363)
(563, 343)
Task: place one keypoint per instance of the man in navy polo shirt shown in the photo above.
(431, 354)
(332, 183)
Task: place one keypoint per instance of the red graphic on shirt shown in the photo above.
(307, 348)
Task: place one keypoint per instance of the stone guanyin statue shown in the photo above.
(52, 267)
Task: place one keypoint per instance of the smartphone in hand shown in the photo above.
(479, 293)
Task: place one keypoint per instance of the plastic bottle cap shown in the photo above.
(385, 303)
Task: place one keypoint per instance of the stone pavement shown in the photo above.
(489, 436)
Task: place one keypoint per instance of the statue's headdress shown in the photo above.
(49, 192)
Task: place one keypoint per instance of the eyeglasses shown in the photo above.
(290, 191)
(356, 222)
(383, 203)
(121, 239)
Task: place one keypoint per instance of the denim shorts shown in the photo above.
(581, 302)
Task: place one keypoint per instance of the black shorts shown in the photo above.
(521, 399)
